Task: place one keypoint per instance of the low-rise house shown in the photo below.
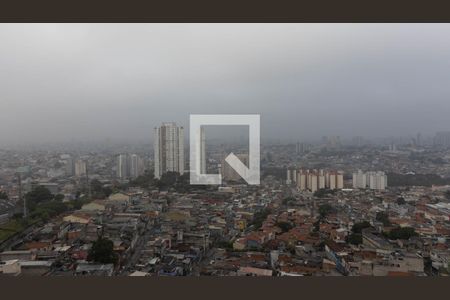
(94, 206)
(250, 271)
(88, 269)
(35, 267)
(21, 255)
(77, 218)
(10, 267)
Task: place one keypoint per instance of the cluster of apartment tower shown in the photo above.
(74, 167)
(371, 180)
(169, 157)
(313, 180)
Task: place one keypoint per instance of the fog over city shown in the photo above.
(74, 82)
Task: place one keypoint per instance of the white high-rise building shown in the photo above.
(378, 180)
(70, 166)
(359, 180)
(136, 166)
(313, 182)
(339, 180)
(129, 166)
(372, 180)
(321, 182)
(122, 166)
(333, 184)
(301, 183)
(169, 149)
(80, 168)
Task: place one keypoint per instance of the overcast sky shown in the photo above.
(62, 82)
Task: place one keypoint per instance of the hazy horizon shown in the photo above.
(74, 82)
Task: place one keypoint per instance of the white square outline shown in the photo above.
(251, 174)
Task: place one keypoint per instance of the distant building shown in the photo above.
(392, 148)
(358, 141)
(331, 142)
(80, 168)
(129, 166)
(69, 164)
(301, 148)
(52, 187)
(314, 180)
(418, 139)
(169, 149)
(122, 168)
(372, 180)
(136, 166)
(359, 180)
(24, 171)
(442, 139)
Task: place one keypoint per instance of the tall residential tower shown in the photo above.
(169, 149)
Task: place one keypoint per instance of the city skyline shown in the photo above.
(327, 209)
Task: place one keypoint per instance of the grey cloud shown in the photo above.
(62, 82)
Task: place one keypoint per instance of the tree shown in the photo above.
(57, 165)
(168, 179)
(288, 200)
(102, 251)
(447, 195)
(224, 244)
(3, 195)
(98, 190)
(416, 179)
(325, 209)
(38, 195)
(46, 210)
(260, 217)
(321, 193)
(78, 203)
(180, 183)
(400, 201)
(358, 227)
(383, 218)
(107, 191)
(59, 197)
(143, 181)
(285, 226)
(401, 233)
(316, 227)
(355, 239)
(17, 216)
(279, 173)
